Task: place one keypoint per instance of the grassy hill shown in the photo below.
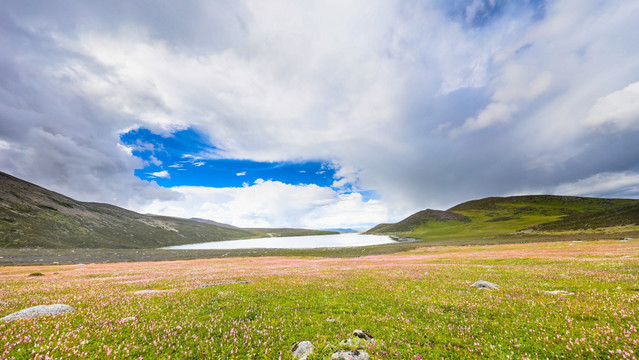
(517, 215)
(627, 215)
(31, 216)
(418, 219)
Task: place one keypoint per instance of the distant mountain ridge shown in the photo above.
(32, 216)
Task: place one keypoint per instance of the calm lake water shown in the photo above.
(292, 242)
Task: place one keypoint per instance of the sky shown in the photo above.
(319, 114)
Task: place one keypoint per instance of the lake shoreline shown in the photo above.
(292, 242)
(42, 256)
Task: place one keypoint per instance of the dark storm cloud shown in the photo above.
(51, 132)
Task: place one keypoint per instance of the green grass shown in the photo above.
(623, 216)
(427, 310)
(417, 219)
(504, 218)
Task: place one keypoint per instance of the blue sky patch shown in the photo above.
(481, 13)
(184, 159)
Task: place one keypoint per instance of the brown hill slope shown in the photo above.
(31, 216)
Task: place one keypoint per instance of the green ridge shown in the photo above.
(496, 217)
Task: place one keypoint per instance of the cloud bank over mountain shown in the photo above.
(423, 104)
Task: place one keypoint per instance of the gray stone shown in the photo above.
(352, 342)
(350, 355)
(39, 310)
(481, 284)
(360, 337)
(559, 292)
(302, 349)
(143, 292)
(363, 335)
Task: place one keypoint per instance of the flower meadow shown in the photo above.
(418, 305)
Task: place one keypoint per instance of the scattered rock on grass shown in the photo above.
(143, 292)
(302, 349)
(481, 284)
(39, 310)
(363, 335)
(360, 337)
(559, 292)
(350, 355)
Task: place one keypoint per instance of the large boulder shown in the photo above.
(302, 349)
(39, 310)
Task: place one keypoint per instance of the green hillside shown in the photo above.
(31, 216)
(511, 216)
(418, 219)
(627, 215)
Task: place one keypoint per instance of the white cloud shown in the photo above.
(345, 176)
(493, 113)
(241, 173)
(160, 174)
(516, 87)
(619, 109)
(155, 161)
(620, 184)
(272, 203)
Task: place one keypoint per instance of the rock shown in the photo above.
(39, 310)
(360, 337)
(363, 335)
(481, 284)
(559, 292)
(302, 349)
(350, 342)
(143, 292)
(350, 355)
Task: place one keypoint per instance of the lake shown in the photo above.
(292, 242)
